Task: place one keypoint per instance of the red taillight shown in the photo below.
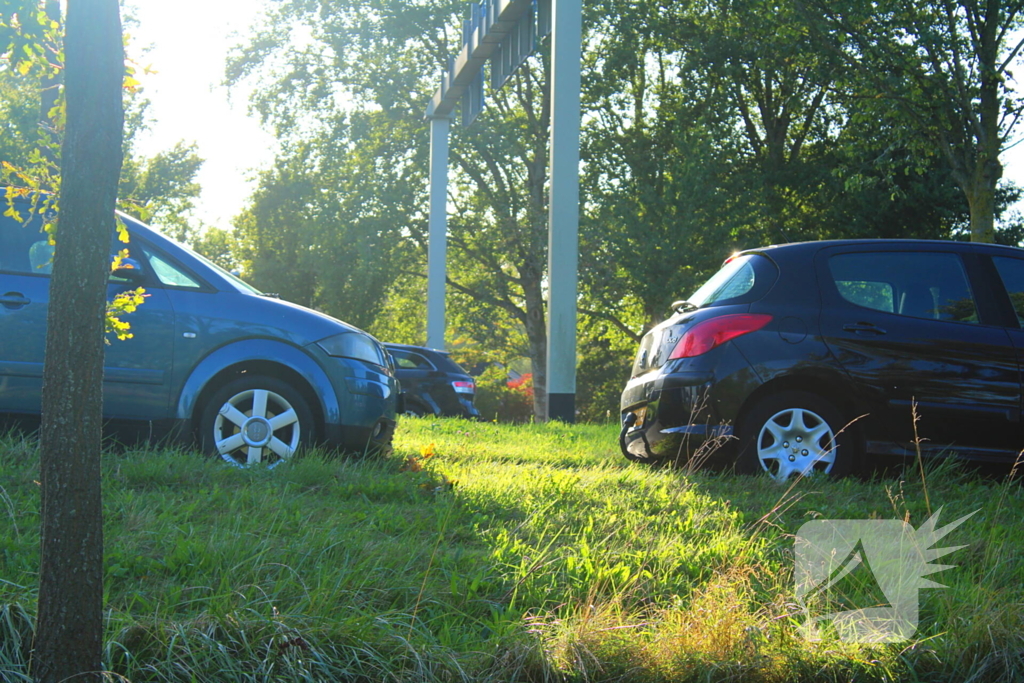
(462, 387)
(706, 335)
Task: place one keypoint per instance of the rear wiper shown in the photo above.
(683, 306)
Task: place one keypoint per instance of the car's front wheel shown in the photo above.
(795, 433)
(256, 419)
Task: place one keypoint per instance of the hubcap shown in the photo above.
(795, 441)
(257, 431)
(256, 426)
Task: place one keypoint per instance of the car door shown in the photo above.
(1010, 272)
(24, 290)
(136, 370)
(905, 325)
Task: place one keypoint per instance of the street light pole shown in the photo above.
(437, 249)
(563, 212)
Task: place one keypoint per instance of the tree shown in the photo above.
(162, 189)
(357, 91)
(69, 629)
(499, 227)
(713, 127)
(708, 127)
(944, 69)
(218, 245)
(657, 147)
(320, 233)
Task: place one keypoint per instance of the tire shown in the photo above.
(382, 440)
(796, 433)
(255, 420)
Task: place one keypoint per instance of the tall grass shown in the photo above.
(526, 553)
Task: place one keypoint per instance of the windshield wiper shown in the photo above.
(683, 306)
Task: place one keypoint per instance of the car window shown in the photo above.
(1011, 270)
(444, 362)
(877, 295)
(930, 285)
(168, 273)
(407, 360)
(736, 278)
(24, 248)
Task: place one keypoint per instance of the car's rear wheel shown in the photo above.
(412, 406)
(255, 420)
(795, 433)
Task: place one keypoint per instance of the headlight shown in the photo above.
(353, 345)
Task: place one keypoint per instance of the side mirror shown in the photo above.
(130, 270)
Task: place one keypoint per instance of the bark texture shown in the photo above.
(69, 629)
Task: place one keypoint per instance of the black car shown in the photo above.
(805, 357)
(432, 383)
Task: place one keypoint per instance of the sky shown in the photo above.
(189, 103)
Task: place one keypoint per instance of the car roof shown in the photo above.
(413, 347)
(813, 246)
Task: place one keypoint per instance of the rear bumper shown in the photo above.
(669, 417)
(468, 409)
(445, 403)
(686, 408)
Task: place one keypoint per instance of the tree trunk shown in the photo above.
(981, 198)
(69, 629)
(537, 334)
(987, 169)
(980, 187)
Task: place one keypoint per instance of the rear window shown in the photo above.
(915, 284)
(444, 362)
(407, 360)
(739, 277)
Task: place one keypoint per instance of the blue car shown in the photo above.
(212, 360)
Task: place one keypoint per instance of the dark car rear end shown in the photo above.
(432, 383)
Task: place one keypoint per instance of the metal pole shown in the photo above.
(563, 217)
(437, 249)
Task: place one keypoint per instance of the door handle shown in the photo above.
(863, 328)
(14, 300)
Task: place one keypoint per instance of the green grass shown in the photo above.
(515, 553)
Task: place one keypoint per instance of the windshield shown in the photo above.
(238, 282)
(223, 273)
(736, 278)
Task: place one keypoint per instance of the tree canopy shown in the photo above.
(707, 127)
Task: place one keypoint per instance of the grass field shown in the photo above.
(513, 553)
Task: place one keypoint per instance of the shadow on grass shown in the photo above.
(530, 553)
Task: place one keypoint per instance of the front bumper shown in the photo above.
(367, 403)
(359, 439)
